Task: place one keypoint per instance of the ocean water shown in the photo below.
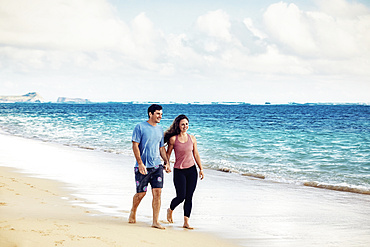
(326, 146)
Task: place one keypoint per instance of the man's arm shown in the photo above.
(135, 148)
(163, 153)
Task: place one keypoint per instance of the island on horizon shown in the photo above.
(32, 97)
(35, 97)
(73, 100)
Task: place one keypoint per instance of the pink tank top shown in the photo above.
(183, 154)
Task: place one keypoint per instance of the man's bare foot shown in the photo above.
(158, 226)
(169, 215)
(132, 217)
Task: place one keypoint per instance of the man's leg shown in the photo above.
(135, 203)
(156, 204)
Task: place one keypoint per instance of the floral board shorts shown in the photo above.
(154, 177)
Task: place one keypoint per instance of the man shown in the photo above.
(148, 147)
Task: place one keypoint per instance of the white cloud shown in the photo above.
(182, 56)
(149, 43)
(248, 22)
(71, 25)
(320, 34)
(215, 24)
(289, 26)
(64, 34)
(342, 8)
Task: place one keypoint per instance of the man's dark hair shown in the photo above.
(153, 108)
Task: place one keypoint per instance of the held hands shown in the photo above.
(167, 167)
(142, 169)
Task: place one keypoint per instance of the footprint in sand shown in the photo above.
(62, 227)
(59, 242)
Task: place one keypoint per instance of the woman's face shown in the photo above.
(184, 125)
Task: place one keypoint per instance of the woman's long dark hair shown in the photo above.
(174, 129)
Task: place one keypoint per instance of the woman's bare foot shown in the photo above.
(169, 215)
(158, 226)
(188, 227)
(186, 223)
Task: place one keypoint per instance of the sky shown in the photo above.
(187, 51)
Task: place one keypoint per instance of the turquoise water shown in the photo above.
(317, 145)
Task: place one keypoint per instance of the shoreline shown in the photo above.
(35, 213)
(250, 175)
(229, 209)
(314, 184)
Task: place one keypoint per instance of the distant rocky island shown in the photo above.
(37, 98)
(73, 100)
(27, 98)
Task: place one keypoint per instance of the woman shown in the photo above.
(185, 172)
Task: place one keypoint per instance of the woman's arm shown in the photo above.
(197, 157)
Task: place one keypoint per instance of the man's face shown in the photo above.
(156, 116)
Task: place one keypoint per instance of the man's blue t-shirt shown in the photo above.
(150, 139)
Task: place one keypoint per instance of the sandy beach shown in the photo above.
(36, 213)
(56, 195)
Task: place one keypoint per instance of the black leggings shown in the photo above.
(185, 181)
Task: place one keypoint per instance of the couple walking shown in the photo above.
(148, 144)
